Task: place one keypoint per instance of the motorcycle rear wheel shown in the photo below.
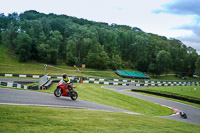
(58, 92)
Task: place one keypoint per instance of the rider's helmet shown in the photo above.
(64, 76)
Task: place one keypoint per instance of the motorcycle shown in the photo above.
(183, 114)
(64, 90)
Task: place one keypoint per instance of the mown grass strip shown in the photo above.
(18, 119)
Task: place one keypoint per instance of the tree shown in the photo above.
(197, 65)
(190, 60)
(53, 56)
(2, 25)
(71, 57)
(31, 15)
(57, 47)
(9, 37)
(97, 57)
(79, 45)
(43, 52)
(24, 47)
(57, 24)
(116, 62)
(152, 68)
(142, 65)
(163, 62)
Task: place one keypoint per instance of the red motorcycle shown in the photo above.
(65, 90)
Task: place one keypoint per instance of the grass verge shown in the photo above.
(169, 77)
(94, 93)
(47, 119)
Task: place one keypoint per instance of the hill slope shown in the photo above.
(10, 64)
(53, 39)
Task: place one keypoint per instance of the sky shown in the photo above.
(178, 19)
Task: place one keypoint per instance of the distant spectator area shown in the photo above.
(134, 75)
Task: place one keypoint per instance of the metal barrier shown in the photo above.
(43, 80)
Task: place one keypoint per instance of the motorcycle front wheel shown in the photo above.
(74, 95)
(58, 92)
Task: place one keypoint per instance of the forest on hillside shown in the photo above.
(56, 39)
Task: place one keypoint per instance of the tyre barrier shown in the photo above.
(15, 85)
(20, 75)
(188, 99)
(33, 76)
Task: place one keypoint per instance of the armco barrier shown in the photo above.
(106, 83)
(43, 80)
(20, 75)
(172, 82)
(115, 80)
(167, 84)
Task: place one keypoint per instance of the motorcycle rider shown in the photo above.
(66, 80)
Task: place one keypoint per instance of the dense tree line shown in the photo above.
(51, 38)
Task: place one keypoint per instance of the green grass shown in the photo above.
(171, 77)
(94, 93)
(185, 91)
(28, 119)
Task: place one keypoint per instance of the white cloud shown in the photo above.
(181, 7)
(185, 8)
